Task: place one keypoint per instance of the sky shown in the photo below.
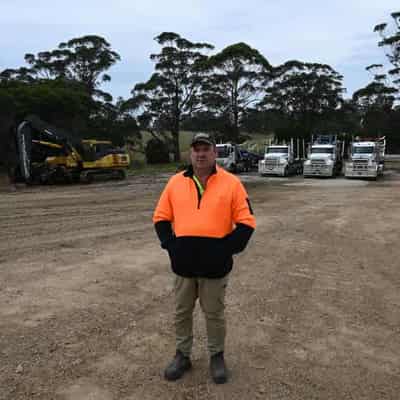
(338, 33)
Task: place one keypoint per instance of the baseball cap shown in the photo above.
(202, 138)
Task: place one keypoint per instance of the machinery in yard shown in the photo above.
(367, 158)
(100, 157)
(325, 156)
(49, 155)
(283, 159)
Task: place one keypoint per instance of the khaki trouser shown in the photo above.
(211, 293)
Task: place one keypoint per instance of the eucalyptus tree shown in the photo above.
(84, 60)
(172, 93)
(308, 95)
(390, 39)
(234, 86)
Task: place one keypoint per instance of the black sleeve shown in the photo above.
(238, 238)
(164, 233)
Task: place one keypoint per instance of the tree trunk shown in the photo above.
(235, 114)
(175, 141)
(176, 130)
(236, 127)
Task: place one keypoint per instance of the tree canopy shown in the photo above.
(172, 94)
(234, 85)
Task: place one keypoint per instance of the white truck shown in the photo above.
(325, 156)
(366, 158)
(283, 159)
(229, 157)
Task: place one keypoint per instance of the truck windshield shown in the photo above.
(322, 150)
(223, 151)
(363, 150)
(276, 150)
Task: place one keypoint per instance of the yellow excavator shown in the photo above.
(103, 157)
(48, 155)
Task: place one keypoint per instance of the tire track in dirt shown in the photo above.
(312, 303)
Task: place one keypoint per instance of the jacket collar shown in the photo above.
(189, 171)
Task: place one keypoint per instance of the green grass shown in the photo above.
(152, 169)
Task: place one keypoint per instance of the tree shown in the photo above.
(62, 87)
(381, 111)
(377, 94)
(392, 41)
(58, 102)
(172, 93)
(307, 94)
(115, 122)
(84, 60)
(234, 84)
(375, 104)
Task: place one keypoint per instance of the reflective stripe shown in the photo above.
(198, 183)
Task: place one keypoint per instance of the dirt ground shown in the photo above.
(313, 304)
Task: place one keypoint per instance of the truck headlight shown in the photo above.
(307, 162)
(282, 161)
(329, 162)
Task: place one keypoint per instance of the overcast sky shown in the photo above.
(338, 32)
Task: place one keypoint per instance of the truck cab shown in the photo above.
(281, 160)
(324, 157)
(275, 160)
(366, 159)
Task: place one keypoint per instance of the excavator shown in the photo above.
(49, 155)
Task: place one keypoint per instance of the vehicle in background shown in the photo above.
(325, 156)
(367, 158)
(250, 160)
(283, 159)
(101, 157)
(229, 157)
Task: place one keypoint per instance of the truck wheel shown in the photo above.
(286, 172)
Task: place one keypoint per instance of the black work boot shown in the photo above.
(178, 366)
(218, 369)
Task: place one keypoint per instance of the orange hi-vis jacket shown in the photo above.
(202, 230)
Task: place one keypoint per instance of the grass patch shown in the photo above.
(152, 169)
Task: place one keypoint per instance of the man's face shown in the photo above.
(203, 155)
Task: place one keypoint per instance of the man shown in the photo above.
(203, 217)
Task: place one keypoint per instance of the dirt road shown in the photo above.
(313, 305)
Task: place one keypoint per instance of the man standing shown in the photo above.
(203, 217)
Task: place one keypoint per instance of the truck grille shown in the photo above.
(360, 165)
(271, 162)
(318, 164)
